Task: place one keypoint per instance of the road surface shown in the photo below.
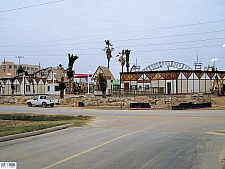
(124, 139)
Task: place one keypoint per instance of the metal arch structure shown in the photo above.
(178, 65)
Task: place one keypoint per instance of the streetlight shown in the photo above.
(53, 83)
(214, 64)
(23, 85)
(88, 81)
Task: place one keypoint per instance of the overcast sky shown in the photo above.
(46, 31)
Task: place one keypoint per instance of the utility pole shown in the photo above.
(19, 58)
(19, 61)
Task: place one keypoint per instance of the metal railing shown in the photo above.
(153, 92)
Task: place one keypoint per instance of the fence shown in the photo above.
(153, 92)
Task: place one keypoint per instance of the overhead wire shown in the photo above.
(152, 44)
(143, 38)
(30, 6)
(124, 40)
(135, 31)
(141, 51)
(135, 39)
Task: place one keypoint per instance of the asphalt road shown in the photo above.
(124, 139)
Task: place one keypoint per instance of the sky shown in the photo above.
(45, 31)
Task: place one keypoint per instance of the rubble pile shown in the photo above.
(193, 98)
(218, 102)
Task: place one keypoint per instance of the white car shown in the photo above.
(41, 100)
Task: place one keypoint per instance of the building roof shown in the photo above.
(107, 73)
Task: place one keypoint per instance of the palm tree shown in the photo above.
(121, 58)
(108, 50)
(103, 84)
(20, 70)
(127, 53)
(72, 58)
(62, 87)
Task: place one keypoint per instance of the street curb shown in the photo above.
(34, 133)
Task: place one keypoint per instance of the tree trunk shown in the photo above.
(104, 94)
(69, 86)
(127, 65)
(61, 94)
(108, 63)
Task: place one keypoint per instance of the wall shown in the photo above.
(182, 81)
(21, 84)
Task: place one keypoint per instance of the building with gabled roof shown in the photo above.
(106, 72)
(31, 85)
(179, 80)
(109, 76)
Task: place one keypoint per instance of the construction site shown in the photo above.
(177, 87)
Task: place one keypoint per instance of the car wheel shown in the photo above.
(52, 105)
(44, 104)
(29, 104)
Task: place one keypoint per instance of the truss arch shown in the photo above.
(157, 65)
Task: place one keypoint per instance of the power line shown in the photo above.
(30, 6)
(154, 50)
(171, 36)
(153, 44)
(171, 43)
(135, 39)
(156, 44)
(195, 47)
(159, 28)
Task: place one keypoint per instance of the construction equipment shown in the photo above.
(218, 86)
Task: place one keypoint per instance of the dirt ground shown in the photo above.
(218, 102)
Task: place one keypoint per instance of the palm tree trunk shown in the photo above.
(108, 63)
(127, 65)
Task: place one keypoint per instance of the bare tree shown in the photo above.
(121, 59)
(72, 58)
(108, 50)
(62, 87)
(20, 70)
(103, 84)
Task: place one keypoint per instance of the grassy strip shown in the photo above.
(21, 123)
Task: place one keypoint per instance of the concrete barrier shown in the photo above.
(34, 133)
